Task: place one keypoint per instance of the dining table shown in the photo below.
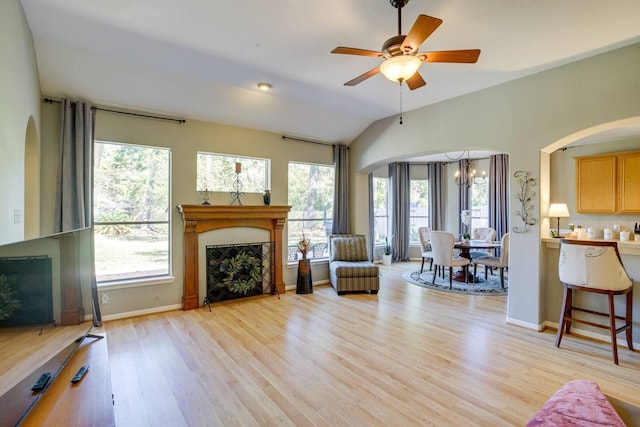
(465, 248)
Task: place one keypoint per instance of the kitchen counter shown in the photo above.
(627, 247)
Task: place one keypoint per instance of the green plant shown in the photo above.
(387, 246)
(110, 216)
(243, 272)
(8, 301)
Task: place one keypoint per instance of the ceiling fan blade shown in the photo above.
(363, 77)
(356, 51)
(422, 28)
(468, 56)
(416, 81)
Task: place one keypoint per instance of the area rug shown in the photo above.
(491, 286)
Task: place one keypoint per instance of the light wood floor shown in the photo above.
(407, 356)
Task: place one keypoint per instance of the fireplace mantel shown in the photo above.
(201, 218)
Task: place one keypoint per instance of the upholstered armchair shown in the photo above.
(350, 269)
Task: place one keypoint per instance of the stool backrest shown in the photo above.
(592, 264)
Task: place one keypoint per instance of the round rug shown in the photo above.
(491, 286)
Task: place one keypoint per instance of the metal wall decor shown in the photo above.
(525, 197)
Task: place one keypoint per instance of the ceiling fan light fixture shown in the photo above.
(400, 68)
(264, 86)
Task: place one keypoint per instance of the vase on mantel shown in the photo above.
(266, 197)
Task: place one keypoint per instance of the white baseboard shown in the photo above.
(141, 312)
(578, 331)
(527, 325)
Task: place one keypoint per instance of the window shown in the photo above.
(419, 208)
(131, 211)
(480, 203)
(217, 172)
(311, 199)
(380, 209)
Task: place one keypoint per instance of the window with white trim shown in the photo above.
(380, 209)
(131, 211)
(418, 208)
(310, 195)
(217, 172)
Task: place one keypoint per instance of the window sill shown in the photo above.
(134, 283)
(313, 261)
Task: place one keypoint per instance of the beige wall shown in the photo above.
(521, 118)
(185, 140)
(19, 123)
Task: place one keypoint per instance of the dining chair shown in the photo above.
(483, 234)
(594, 267)
(490, 261)
(425, 236)
(442, 243)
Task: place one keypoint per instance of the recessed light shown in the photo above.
(264, 86)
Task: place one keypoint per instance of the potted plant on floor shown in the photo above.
(386, 257)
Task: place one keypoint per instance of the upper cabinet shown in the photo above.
(608, 183)
(630, 182)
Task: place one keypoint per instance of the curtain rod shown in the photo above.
(179, 121)
(308, 141)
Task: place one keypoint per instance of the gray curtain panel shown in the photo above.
(499, 194)
(436, 196)
(74, 185)
(370, 235)
(400, 182)
(341, 193)
(464, 192)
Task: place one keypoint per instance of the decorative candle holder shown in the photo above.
(237, 193)
(205, 197)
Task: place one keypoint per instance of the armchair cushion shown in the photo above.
(353, 248)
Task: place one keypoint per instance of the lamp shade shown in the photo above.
(400, 68)
(559, 210)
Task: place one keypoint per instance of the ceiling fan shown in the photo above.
(401, 55)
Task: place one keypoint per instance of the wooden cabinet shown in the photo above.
(608, 183)
(87, 403)
(630, 182)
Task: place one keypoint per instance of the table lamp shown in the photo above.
(558, 210)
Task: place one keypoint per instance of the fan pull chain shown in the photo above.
(400, 102)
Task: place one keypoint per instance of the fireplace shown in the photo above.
(238, 271)
(202, 218)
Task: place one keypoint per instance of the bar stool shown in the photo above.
(594, 267)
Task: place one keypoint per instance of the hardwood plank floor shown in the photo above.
(407, 356)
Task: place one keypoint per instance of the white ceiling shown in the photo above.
(202, 59)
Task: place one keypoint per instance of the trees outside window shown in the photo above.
(310, 193)
(217, 172)
(480, 203)
(418, 209)
(380, 209)
(131, 211)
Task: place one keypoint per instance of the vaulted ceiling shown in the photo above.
(202, 59)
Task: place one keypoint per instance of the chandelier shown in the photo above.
(467, 176)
